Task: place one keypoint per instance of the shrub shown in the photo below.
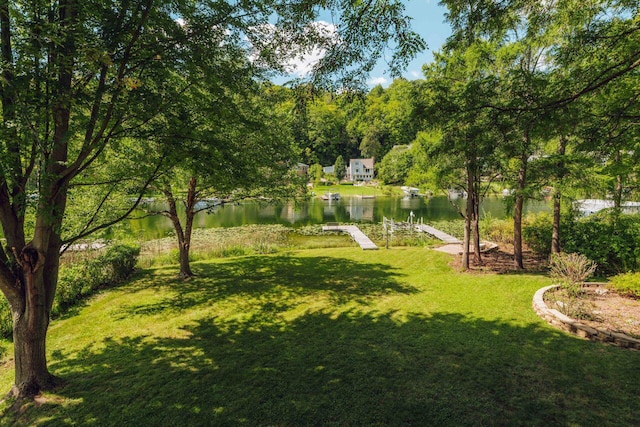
(536, 232)
(76, 281)
(497, 230)
(571, 270)
(612, 240)
(119, 262)
(626, 284)
(6, 322)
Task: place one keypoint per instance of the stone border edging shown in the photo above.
(555, 318)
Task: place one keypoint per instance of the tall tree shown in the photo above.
(79, 77)
(339, 168)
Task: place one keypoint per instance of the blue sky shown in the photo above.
(428, 21)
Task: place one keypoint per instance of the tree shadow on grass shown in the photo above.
(349, 369)
(275, 280)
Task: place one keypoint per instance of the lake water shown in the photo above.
(317, 211)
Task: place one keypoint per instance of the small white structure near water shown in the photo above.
(410, 191)
(591, 206)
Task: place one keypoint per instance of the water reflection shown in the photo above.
(316, 211)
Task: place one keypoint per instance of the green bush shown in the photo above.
(611, 240)
(497, 230)
(6, 322)
(119, 262)
(626, 284)
(536, 232)
(79, 280)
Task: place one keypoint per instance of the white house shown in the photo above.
(360, 170)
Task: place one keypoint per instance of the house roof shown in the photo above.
(368, 163)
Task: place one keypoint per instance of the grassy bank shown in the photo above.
(328, 337)
(357, 190)
(210, 243)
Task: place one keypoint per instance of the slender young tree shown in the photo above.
(340, 168)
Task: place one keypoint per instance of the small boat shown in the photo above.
(410, 191)
(330, 196)
(455, 193)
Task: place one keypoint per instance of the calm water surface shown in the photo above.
(317, 211)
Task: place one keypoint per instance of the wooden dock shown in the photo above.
(355, 233)
(447, 238)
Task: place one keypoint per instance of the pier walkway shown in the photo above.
(355, 233)
(448, 239)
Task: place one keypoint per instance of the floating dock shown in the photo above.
(355, 233)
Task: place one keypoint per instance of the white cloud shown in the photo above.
(375, 81)
(296, 58)
(415, 74)
(302, 65)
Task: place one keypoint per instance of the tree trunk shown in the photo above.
(469, 216)
(517, 213)
(555, 235)
(183, 234)
(475, 219)
(31, 372)
(517, 232)
(617, 192)
(30, 324)
(557, 196)
(466, 240)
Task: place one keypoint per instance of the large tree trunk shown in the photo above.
(30, 325)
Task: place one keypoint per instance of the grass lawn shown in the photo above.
(358, 190)
(339, 337)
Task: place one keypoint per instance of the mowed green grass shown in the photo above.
(340, 337)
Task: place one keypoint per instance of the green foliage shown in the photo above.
(626, 284)
(315, 173)
(537, 233)
(79, 280)
(6, 321)
(610, 239)
(396, 165)
(570, 270)
(497, 230)
(339, 169)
